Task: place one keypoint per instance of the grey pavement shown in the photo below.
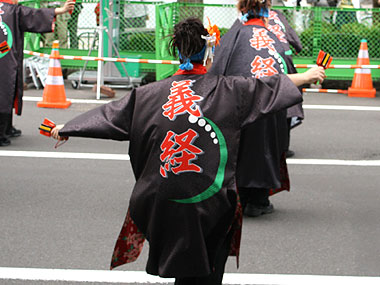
(67, 213)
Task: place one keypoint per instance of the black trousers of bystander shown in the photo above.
(254, 196)
(4, 128)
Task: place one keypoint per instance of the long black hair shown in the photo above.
(187, 37)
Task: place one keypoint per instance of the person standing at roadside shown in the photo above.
(134, 16)
(14, 21)
(346, 17)
(376, 15)
(60, 31)
(72, 24)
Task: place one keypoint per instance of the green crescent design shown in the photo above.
(219, 178)
(9, 39)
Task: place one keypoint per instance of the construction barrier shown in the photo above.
(109, 59)
(361, 85)
(176, 62)
(340, 66)
(359, 66)
(316, 90)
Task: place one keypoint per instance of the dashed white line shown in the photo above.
(140, 277)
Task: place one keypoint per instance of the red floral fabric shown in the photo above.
(129, 243)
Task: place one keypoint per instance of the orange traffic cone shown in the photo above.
(362, 83)
(54, 95)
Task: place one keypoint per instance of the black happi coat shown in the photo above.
(278, 25)
(243, 50)
(17, 19)
(290, 36)
(184, 161)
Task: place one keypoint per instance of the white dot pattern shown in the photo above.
(2, 26)
(202, 123)
(193, 119)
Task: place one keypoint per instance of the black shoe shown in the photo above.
(65, 73)
(4, 142)
(14, 133)
(289, 153)
(255, 210)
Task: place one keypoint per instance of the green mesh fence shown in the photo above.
(337, 31)
(144, 29)
(78, 33)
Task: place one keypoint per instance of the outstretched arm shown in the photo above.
(266, 95)
(110, 121)
(310, 76)
(55, 133)
(68, 6)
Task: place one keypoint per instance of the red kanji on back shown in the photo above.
(178, 152)
(276, 29)
(262, 67)
(181, 100)
(273, 16)
(1, 12)
(261, 40)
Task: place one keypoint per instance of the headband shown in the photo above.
(187, 65)
(263, 12)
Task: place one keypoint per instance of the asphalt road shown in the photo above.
(66, 213)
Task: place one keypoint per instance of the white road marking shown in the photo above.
(77, 275)
(75, 155)
(341, 162)
(341, 108)
(82, 101)
(311, 107)
(115, 156)
(104, 276)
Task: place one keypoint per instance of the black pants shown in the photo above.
(255, 196)
(345, 17)
(5, 124)
(216, 277)
(72, 25)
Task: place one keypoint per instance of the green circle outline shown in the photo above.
(9, 40)
(219, 178)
